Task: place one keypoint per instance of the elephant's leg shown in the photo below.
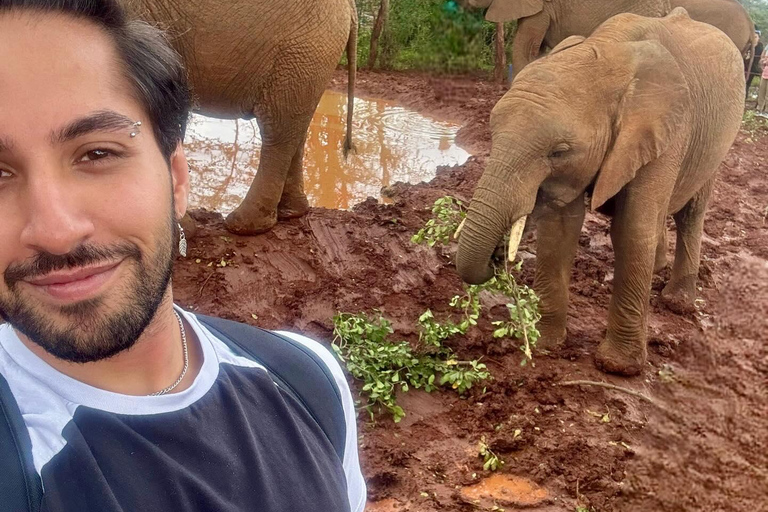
(528, 40)
(690, 225)
(258, 211)
(293, 202)
(635, 240)
(661, 247)
(557, 234)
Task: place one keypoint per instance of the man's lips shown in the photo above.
(77, 285)
(72, 276)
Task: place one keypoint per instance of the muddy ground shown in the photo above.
(699, 444)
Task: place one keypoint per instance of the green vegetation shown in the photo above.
(491, 461)
(385, 366)
(758, 10)
(441, 35)
(363, 344)
(523, 311)
(433, 35)
(753, 124)
(448, 213)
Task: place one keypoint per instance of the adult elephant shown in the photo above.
(545, 23)
(269, 60)
(729, 16)
(637, 117)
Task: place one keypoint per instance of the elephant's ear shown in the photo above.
(568, 42)
(503, 11)
(649, 112)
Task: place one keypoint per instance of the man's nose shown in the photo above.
(56, 222)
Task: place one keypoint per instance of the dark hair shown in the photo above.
(152, 66)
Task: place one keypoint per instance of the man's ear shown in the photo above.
(180, 181)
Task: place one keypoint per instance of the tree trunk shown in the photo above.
(500, 72)
(378, 28)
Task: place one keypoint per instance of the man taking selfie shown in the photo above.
(111, 397)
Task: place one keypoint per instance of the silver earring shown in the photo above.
(182, 242)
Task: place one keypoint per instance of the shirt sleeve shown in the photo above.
(356, 488)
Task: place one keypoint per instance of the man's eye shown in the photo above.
(5, 174)
(96, 154)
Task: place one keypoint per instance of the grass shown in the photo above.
(754, 125)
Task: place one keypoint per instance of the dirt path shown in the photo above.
(701, 445)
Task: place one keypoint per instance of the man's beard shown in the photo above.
(93, 335)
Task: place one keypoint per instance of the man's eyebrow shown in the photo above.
(5, 144)
(100, 121)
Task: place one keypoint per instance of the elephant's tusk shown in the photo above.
(515, 235)
(458, 229)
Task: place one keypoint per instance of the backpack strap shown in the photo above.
(295, 368)
(20, 487)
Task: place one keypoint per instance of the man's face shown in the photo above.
(87, 212)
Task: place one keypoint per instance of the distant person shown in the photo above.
(112, 398)
(757, 68)
(762, 94)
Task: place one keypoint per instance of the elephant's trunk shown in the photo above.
(505, 194)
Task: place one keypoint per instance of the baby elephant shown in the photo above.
(637, 117)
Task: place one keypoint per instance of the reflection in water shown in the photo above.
(393, 144)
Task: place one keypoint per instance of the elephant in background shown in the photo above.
(636, 117)
(729, 16)
(269, 60)
(545, 23)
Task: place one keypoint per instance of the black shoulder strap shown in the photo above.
(294, 367)
(20, 486)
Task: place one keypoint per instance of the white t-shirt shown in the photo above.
(232, 441)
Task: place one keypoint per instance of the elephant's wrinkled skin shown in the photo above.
(729, 16)
(637, 117)
(269, 60)
(546, 23)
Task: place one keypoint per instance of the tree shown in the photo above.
(758, 10)
(500, 68)
(378, 27)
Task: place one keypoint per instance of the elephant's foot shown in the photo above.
(681, 289)
(553, 335)
(679, 294)
(627, 360)
(292, 207)
(250, 221)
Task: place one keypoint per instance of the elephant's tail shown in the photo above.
(352, 70)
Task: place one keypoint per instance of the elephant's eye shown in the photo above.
(560, 151)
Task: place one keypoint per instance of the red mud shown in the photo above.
(702, 445)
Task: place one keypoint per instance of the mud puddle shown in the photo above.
(393, 144)
(505, 489)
